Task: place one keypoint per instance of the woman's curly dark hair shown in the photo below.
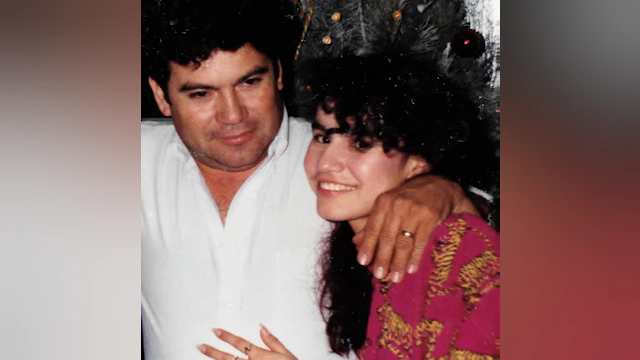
(406, 105)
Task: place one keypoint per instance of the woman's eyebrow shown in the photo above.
(334, 130)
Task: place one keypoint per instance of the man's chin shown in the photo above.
(241, 164)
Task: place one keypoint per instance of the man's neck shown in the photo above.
(223, 185)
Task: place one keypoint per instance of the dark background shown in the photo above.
(149, 107)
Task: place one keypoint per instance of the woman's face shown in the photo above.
(347, 175)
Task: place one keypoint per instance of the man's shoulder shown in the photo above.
(156, 132)
(156, 139)
(299, 131)
(299, 124)
(156, 127)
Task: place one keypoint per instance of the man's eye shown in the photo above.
(198, 94)
(320, 138)
(253, 81)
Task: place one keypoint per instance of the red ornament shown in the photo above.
(467, 42)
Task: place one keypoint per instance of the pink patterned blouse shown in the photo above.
(450, 309)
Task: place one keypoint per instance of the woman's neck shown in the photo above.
(357, 225)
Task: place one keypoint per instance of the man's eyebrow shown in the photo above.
(196, 86)
(258, 70)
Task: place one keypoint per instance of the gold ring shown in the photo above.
(235, 357)
(406, 233)
(247, 349)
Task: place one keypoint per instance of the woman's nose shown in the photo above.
(332, 158)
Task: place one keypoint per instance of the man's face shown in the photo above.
(227, 111)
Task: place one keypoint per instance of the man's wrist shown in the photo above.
(465, 205)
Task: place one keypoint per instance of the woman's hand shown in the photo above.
(276, 351)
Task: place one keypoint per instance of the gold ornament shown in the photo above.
(397, 15)
(326, 40)
(335, 16)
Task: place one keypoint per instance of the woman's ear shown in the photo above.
(415, 166)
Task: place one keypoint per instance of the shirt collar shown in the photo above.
(280, 142)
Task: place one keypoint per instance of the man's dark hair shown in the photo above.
(186, 31)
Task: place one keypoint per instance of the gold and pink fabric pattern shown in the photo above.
(450, 309)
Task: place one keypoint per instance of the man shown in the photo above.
(230, 234)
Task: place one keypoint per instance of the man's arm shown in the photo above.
(418, 207)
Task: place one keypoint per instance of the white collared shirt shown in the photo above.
(262, 266)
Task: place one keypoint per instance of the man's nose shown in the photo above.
(231, 108)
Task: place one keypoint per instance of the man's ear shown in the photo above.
(415, 166)
(158, 95)
(279, 81)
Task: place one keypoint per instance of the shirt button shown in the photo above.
(230, 305)
(218, 243)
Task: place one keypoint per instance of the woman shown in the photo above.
(379, 121)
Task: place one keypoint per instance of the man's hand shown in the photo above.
(417, 207)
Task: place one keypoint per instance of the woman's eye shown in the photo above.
(361, 144)
(321, 139)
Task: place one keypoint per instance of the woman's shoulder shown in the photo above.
(463, 249)
(466, 232)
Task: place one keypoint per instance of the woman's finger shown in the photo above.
(235, 341)
(216, 354)
(272, 342)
